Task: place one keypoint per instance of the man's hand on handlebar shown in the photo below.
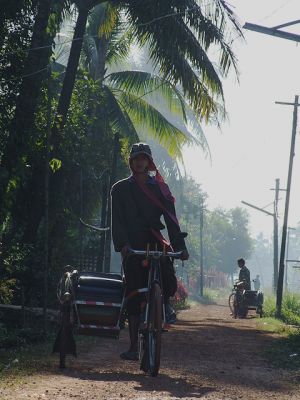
(125, 250)
(185, 255)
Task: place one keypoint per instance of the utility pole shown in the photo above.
(46, 191)
(275, 233)
(275, 239)
(275, 258)
(289, 229)
(287, 202)
(201, 246)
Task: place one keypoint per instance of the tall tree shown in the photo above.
(185, 61)
(35, 71)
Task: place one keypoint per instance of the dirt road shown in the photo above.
(207, 355)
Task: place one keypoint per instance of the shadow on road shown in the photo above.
(172, 386)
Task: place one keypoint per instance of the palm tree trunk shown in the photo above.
(57, 188)
(37, 60)
(70, 75)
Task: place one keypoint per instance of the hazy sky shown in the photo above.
(253, 148)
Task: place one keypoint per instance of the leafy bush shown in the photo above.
(7, 290)
(18, 337)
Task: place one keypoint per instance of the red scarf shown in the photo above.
(167, 195)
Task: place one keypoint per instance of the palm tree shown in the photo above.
(135, 101)
(194, 27)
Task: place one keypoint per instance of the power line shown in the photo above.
(96, 36)
(31, 74)
(276, 10)
(26, 75)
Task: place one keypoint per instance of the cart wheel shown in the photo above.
(235, 308)
(64, 333)
(231, 302)
(154, 329)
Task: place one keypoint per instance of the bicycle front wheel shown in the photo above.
(154, 329)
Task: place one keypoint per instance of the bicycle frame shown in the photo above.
(154, 272)
(155, 315)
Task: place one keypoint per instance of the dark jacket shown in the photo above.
(244, 275)
(133, 214)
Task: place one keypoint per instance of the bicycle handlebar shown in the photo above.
(156, 253)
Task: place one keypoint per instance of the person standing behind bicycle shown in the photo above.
(256, 282)
(244, 274)
(138, 202)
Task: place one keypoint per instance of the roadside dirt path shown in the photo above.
(207, 355)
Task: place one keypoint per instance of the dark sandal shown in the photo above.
(129, 355)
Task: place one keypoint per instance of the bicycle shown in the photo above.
(235, 300)
(240, 301)
(151, 328)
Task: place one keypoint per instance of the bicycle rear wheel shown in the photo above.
(154, 329)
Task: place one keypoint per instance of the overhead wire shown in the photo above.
(81, 38)
(276, 10)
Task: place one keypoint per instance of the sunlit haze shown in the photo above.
(252, 149)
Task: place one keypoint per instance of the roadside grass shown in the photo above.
(22, 361)
(290, 308)
(25, 360)
(285, 350)
(274, 325)
(210, 296)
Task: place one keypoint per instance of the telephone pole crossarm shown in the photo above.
(257, 208)
(274, 31)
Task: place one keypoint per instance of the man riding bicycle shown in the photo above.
(138, 202)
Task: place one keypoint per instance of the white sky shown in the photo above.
(253, 148)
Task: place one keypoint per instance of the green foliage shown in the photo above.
(55, 164)
(7, 290)
(18, 337)
(227, 238)
(193, 29)
(290, 308)
(137, 102)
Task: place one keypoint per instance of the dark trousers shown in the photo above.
(136, 275)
